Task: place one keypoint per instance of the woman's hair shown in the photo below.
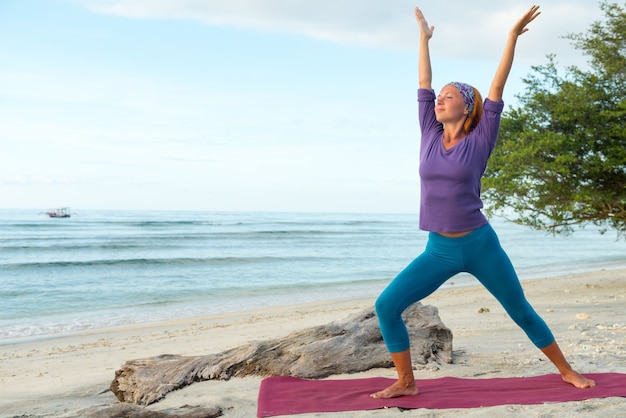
(477, 113)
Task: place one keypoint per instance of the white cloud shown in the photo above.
(474, 29)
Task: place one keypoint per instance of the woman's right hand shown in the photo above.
(425, 30)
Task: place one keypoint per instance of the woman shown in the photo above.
(458, 134)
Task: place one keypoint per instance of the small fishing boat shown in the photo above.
(59, 213)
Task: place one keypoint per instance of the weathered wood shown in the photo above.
(349, 346)
(124, 410)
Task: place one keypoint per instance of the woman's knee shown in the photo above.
(525, 319)
(535, 327)
(385, 306)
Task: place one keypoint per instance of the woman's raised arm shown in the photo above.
(426, 32)
(506, 62)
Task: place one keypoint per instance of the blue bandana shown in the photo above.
(467, 92)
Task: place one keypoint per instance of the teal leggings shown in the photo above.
(478, 253)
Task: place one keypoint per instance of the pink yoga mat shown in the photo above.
(282, 395)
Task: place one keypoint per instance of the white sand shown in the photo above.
(587, 314)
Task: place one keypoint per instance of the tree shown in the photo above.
(561, 157)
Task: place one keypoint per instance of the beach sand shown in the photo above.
(586, 312)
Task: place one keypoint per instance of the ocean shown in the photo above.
(102, 269)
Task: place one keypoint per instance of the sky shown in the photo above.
(246, 105)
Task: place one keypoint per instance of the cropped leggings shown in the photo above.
(478, 253)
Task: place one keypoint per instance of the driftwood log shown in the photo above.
(349, 346)
(124, 410)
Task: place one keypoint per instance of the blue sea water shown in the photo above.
(101, 269)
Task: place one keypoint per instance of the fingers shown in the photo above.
(529, 16)
(419, 16)
(532, 14)
(421, 20)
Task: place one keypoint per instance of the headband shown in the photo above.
(467, 92)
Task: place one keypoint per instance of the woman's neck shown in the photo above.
(452, 135)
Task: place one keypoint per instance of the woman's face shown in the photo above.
(450, 106)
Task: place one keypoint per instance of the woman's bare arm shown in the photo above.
(506, 62)
(426, 32)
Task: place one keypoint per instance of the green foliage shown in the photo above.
(561, 154)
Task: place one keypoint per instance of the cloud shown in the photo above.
(466, 29)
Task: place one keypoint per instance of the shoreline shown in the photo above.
(59, 376)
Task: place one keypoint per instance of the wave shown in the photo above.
(147, 262)
(75, 247)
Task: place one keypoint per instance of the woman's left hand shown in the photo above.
(520, 26)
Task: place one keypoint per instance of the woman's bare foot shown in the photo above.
(569, 375)
(396, 390)
(578, 380)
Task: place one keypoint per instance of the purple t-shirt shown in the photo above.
(450, 179)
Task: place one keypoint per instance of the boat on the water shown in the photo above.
(59, 213)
